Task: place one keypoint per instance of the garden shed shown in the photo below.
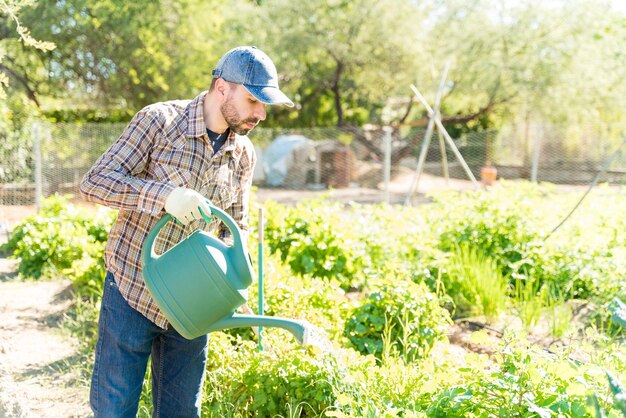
(295, 161)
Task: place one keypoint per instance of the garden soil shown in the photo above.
(38, 376)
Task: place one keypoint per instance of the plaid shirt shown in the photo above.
(165, 146)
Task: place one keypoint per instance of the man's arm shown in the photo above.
(117, 179)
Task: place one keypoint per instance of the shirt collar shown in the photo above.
(195, 117)
(195, 122)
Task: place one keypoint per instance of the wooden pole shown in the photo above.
(442, 129)
(427, 138)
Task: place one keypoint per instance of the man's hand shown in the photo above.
(184, 205)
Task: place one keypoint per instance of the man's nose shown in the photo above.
(260, 112)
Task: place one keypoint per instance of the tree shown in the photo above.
(12, 32)
(552, 60)
(125, 54)
(340, 59)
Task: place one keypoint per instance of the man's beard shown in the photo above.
(234, 121)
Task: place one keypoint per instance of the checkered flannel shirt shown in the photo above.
(165, 146)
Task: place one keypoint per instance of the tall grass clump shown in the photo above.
(475, 283)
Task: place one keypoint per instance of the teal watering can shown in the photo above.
(200, 282)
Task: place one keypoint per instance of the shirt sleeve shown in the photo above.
(239, 210)
(118, 179)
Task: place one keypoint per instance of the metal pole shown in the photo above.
(260, 272)
(536, 153)
(442, 129)
(38, 165)
(387, 172)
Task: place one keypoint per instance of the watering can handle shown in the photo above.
(147, 251)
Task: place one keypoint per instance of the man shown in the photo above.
(171, 158)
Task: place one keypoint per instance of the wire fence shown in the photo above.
(369, 163)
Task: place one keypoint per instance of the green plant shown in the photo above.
(409, 312)
(530, 301)
(523, 381)
(243, 380)
(619, 393)
(354, 245)
(400, 320)
(57, 237)
(475, 283)
(559, 314)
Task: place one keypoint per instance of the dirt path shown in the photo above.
(37, 363)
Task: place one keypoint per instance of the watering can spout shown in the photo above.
(299, 329)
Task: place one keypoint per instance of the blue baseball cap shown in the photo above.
(252, 68)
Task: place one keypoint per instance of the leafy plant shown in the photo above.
(62, 239)
(243, 381)
(409, 312)
(308, 241)
(524, 381)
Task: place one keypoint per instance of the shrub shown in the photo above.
(308, 239)
(62, 239)
(524, 380)
(406, 314)
(242, 381)
(353, 245)
(501, 229)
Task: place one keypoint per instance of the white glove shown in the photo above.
(184, 205)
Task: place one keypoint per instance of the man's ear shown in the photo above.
(221, 86)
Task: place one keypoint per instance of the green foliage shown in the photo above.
(505, 225)
(409, 313)
(618, 391)
(475, 283)
(320, 302)
(62, 239)
(89, 115)
(11, 24)
(308, 240)
(501, 229)
(353, 245)
(524, 381)
(515, 64)
(15, 140)
(402, 365)
(151, 52)
(243, 381)
(530, 301)
(330, 48)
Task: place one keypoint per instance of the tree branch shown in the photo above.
(30, 92)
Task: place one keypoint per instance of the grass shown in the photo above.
(476, 284)
(529, 301)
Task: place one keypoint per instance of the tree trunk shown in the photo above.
(337, 93)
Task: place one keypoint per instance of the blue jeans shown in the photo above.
(126, 339)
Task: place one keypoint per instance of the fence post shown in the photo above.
(387, 166)
(536, 153)
(38, 165)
